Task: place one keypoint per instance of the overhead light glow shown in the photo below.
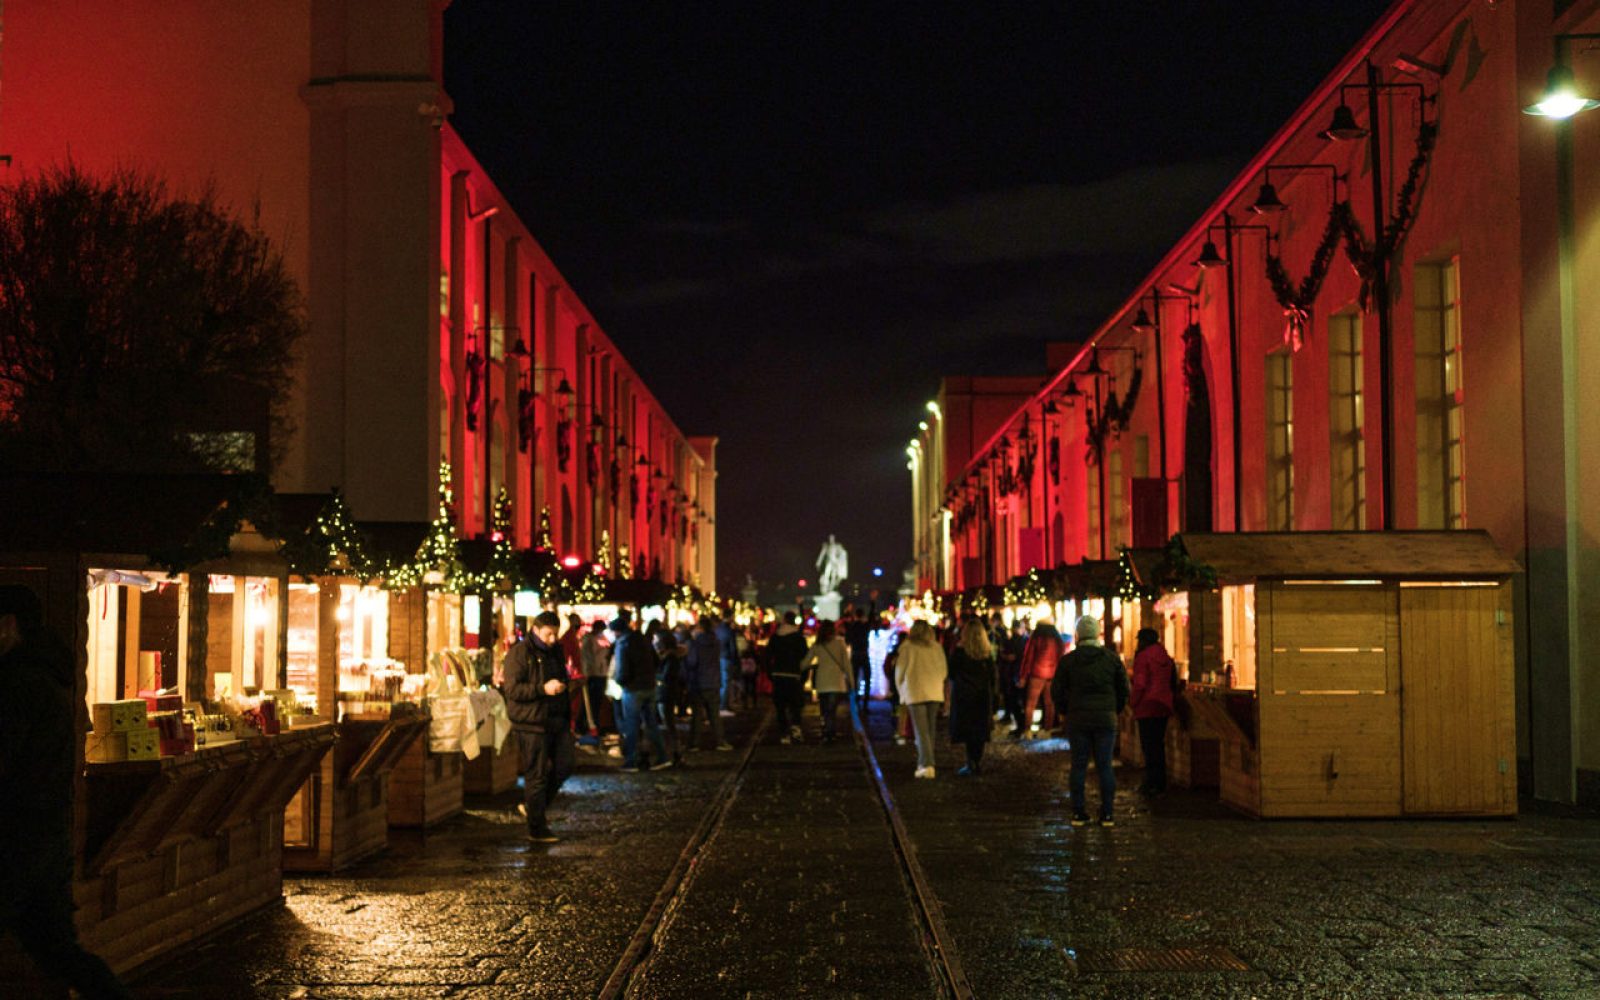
(1561, 98)
(571, 562)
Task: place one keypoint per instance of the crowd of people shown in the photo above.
(607, 680)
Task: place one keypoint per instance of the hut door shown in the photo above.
(1328, 687)
(1456, 689)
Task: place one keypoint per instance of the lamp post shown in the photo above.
(1210, 259)
(1558, 589)
(1344, 128)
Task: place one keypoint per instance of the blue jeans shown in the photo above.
(639, 707)
(730, 677)
(1099, 740)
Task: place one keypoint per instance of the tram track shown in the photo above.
(646, 947)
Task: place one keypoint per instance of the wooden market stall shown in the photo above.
(172, 601)
(338, 664)
(1355, 673)
(426, 787)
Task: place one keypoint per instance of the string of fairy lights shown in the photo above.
(333, 544)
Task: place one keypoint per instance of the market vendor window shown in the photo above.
(443, 622)
(241, 635)
(138, 635)
(1239, 634)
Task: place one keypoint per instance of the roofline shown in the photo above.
(1329, 86)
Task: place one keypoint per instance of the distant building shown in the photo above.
(439, 329)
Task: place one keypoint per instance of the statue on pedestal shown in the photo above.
(833, 565)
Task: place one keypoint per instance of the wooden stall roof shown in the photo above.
(394, 541)
(1288, 555)
(1148, 565)
(1090, 578)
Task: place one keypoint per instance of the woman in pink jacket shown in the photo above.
(1154, 675)
(1034, 673)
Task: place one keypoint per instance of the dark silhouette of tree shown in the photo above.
(134, 326)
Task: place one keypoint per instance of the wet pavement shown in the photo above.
(797, 893)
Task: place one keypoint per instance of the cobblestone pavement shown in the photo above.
(797, 894)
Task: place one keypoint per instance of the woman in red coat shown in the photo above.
(1154, 674)
(1034, 673)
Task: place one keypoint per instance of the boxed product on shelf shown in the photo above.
(119, 716)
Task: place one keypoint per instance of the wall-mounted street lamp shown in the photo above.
(1561, 98)
(1211, 260)
(1267, 201)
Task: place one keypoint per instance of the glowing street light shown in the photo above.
(1561, 98)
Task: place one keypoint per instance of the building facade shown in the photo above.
(439, 330)
(1382, 323)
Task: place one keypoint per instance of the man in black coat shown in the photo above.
(37, 760)
(540, 711)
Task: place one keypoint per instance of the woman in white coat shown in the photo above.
(919, 675)
(828, 664)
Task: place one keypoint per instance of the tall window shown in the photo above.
(1092, 480)
(1441, 460)
(1348, 469)
(1116, 499)
(1280, 441)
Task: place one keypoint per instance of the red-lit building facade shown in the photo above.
(440, 331)
(1301, 361)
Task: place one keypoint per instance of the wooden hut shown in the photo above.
(1355, 673)
(425, 788)
(338, 624)
(161, 583)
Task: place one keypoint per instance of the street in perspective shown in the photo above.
(926, 500)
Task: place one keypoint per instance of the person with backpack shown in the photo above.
(540, 710)
(633, 667)
(786, 650)
(828, 664)
(1090, 689)
(1155, 677)
(703, 677)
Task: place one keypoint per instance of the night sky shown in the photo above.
(794, 219)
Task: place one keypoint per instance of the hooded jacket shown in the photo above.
(1152, 682)
(702, 669)
(786, 651)
(527, 667)
(919, 672)
(1040, 655)
(1090, 687)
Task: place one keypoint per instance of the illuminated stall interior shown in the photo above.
(241, 636)
(138, 633)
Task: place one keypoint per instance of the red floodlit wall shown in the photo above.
(328, 117)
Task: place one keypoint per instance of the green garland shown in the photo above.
(1026, 589)
(1342, 226)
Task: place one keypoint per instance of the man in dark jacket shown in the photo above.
(1090, 689)
(634, 667)
(785, 652)
(37, 760)
(540, 711)
(703, 674)
(858, 636)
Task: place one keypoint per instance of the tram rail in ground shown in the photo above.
(649, 944)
